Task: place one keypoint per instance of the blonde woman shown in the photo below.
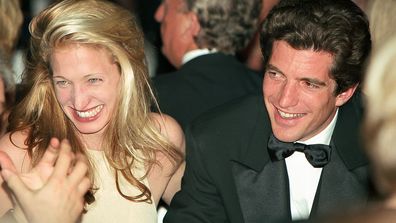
(382, 20)
(87, 82)
(380, 120)
(11, 19)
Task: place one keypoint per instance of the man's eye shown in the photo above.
(274, 74)
(311, 85)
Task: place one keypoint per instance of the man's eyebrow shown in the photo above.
(272, 67)
(314, 81)
(307, 79)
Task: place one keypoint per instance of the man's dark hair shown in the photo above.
(338, 27)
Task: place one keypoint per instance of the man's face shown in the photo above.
(299, 93)
(175, 30)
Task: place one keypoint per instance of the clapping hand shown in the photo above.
(53, 191)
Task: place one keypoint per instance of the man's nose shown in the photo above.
(288, 96)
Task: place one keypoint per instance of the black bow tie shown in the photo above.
(318, 155)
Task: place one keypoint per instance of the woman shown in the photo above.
(87, 82)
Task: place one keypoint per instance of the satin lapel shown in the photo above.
(339, 188)
(262, 186)
(263, 196)
(344, 180)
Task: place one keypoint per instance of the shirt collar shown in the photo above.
(196, 53)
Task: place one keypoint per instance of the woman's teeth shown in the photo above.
(90, 113)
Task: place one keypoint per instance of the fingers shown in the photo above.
(79, 171)
(51, 154)
(64, 160)
(74, 173)
(83, 186)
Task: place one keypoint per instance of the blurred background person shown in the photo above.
(7, 92)
(251, 55)
(200, 38)
(380, 119)
(379, 134)
(382, 20)
(11, 18)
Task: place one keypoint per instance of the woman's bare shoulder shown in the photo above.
(13, 144)
(160, 175)
(15, 140)
(171, 129)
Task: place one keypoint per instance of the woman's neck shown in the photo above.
(92, 141)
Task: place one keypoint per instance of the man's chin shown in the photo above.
(285, 136)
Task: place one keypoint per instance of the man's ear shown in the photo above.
(195, 27)
(343, 97)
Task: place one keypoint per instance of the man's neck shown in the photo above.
(323, 137)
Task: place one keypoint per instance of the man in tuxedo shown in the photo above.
(294, 152)
(200, 39)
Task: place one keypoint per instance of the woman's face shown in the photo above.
(86, 83)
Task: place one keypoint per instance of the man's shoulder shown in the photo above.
(227, 129)
(230, 118)
(165, 77)
(208, 69)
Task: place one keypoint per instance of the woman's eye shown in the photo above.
(62, 83)
(94, 80)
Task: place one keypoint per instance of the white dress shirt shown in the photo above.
(303, 177)
(196, 53)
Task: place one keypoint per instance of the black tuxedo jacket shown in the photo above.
(204, 83)
(229, 176)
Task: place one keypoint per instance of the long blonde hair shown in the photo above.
(11, 18)
(382, 20)
(380, 120)
(131, 138)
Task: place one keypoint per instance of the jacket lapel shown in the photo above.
(263, 195)
(262, 189)
(338, 189)
(344, 181)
